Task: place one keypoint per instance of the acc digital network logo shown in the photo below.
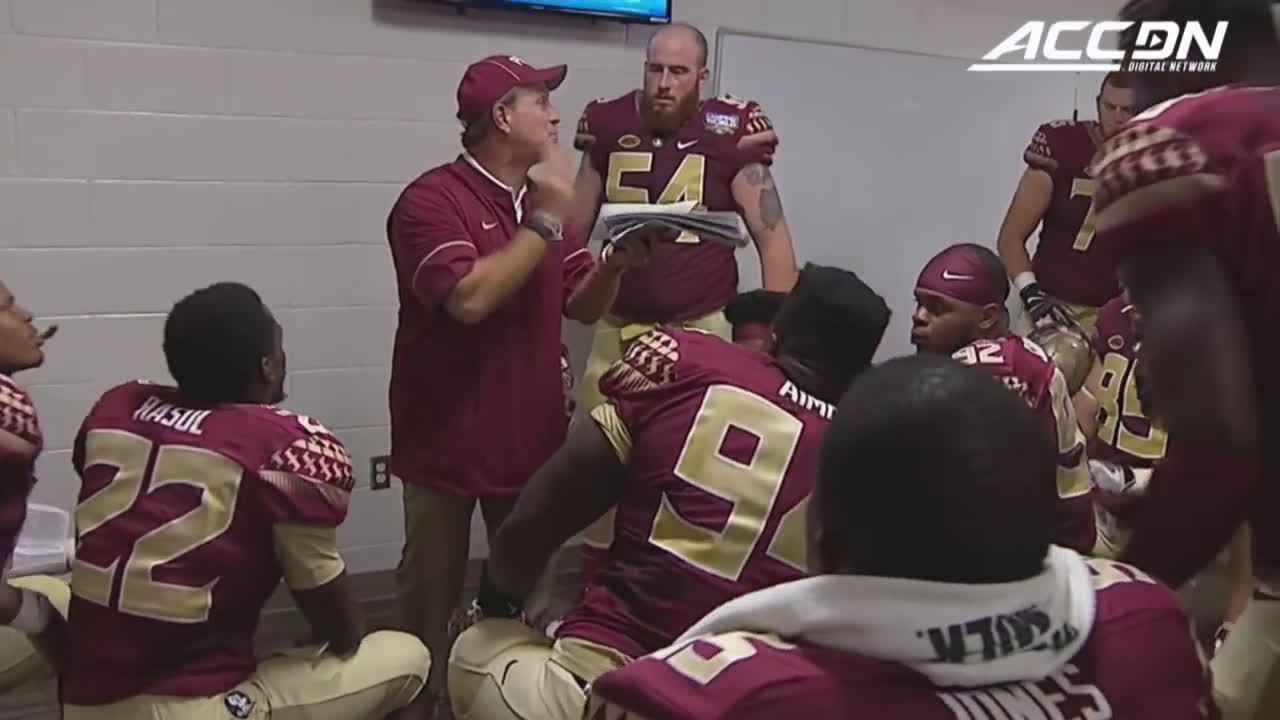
(1078, 46)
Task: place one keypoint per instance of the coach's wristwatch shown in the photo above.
(548, 228)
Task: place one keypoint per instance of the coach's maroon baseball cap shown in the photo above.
(486, 81)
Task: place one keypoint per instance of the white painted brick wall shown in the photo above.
(151, 146)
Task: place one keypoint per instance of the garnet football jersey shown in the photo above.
(720, 450)
(688, 278)
(1025, 368)
(1065, 262)
(1125, 435)
(178, 536)
(1139, 662)
(20, 445)
(1204, 169)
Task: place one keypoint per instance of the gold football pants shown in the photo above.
(1246, 670)
(611, 335)
(505, 670)
(383, 675)
(20, 661)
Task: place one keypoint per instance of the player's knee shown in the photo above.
(485, 641)
(475, 684)
(402, 657)
(58, 591)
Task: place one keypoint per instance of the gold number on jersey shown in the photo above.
(1271, 164)
(1105, 573)
(752, 488)
(215, 476)
(686, 183)
(982, 353)
(730, 648)
(1118, 397)
(1082, 187)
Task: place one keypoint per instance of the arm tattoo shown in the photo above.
(757, 175)
(770, 206)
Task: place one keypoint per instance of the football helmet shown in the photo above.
(1068, 346)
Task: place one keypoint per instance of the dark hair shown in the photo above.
(475, 131)
(992, 266)
(754, 307)
(215, 340)
(941, 470)
(699, 39)
(831, 322)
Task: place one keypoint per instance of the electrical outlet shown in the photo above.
(380, 472)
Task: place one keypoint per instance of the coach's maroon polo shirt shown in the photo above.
(475, 409)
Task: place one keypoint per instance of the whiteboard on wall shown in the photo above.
(887, 157)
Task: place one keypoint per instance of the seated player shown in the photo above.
(195, 500)
(708, 451)
(960, 311)
(939, 596)
(32, 608)
(751, 314)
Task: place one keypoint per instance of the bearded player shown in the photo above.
(665, 144)
(960, 311)
(938, 594)
(195, 501)
(1068, 277)
(1188, 205)
(708, 450)
(33, 640)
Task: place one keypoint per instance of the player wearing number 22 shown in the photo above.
(708, 450)
(1068, 277)
(960, 311)
(937, 594)
(194, 502)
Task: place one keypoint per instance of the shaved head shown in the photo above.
(682, 33)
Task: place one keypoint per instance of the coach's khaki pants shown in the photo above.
(505, 670)
(1246, 670)
(383, 675)
(20, 661)
(606, 349)
(433, 563)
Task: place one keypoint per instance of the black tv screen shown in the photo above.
(648, 11)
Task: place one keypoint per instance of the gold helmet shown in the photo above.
(1069, 348)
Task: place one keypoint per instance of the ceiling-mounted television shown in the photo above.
(638, 11)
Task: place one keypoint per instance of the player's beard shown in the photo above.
(668, 119)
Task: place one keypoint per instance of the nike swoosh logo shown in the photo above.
(948, 275)
(488, 225)
(682, 144)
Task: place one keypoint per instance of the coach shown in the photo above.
(485, 269)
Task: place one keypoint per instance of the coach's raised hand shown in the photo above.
(551, 181)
